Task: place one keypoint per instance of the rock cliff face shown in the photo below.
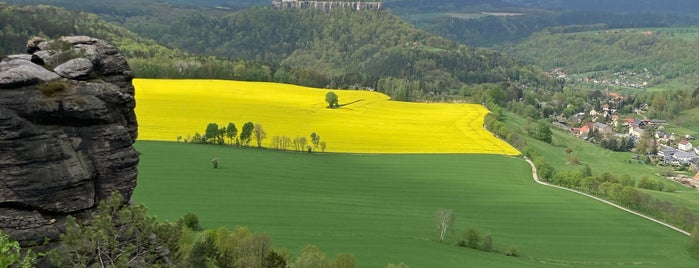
(67, 125)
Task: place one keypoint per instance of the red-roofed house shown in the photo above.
(684, 145)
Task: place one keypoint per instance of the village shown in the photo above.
(646, 137)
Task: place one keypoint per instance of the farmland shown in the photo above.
(380, 207)
(366, 122)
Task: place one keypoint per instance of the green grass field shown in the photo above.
(601, 160)
(380, 207)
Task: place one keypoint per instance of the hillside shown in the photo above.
(338, 49)
(493, 23)
(660, 57)
(381, 208)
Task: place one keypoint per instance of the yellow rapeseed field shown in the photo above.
(367, 122)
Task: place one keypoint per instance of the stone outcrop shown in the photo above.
(66, 134)
(327, 6)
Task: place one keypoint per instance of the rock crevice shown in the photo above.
(67, 126)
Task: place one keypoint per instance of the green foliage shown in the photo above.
(118, 235)
(11, 255)
(211, 135)
(332, 100)
(664, 55)
(246, 133)
(191, 221)
(339, 49)
(400, 265)
(542, 131)
(231, 132)
(471, 238)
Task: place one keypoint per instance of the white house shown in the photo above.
(685, 145)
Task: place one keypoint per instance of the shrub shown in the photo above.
(49, 89)
(191, 221)
(471, 238)
(11, 254)
(487, 243)
(512, 251)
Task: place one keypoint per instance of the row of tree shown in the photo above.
(229, 134)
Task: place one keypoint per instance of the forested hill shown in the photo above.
(664, 57)
(338, 49)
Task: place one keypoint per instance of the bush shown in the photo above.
(50, 88)
(512, 251)
(487, 243)
(11, 254)
(191, 221)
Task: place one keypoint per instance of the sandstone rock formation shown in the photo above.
(66, 134)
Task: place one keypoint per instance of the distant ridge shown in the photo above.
(326, 5)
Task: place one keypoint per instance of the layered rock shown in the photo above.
(67, 125)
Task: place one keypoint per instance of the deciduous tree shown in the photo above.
(211, 133)
(315, 139)
(231, 132)
(259, 133)
(246, 133)
(444, 219)
(332, 100)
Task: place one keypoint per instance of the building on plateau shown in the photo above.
(327, 5)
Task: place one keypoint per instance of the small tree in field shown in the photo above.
(332, 100)
(444, 219)
(259, 134)
(211, 133)
(487, 243)
(315, 139)
(231, 132)
(470, 238)
(191, 221)
(246, 133)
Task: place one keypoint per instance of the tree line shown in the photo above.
(229, 135)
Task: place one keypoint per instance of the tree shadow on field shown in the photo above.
(352, 102)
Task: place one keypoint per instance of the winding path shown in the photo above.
(536, 178)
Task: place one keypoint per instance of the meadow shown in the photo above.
(366, 122)
(380, 207)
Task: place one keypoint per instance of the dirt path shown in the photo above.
(536, 178)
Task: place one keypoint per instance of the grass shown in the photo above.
(367, 122)
(601, 160)
(380, 207)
